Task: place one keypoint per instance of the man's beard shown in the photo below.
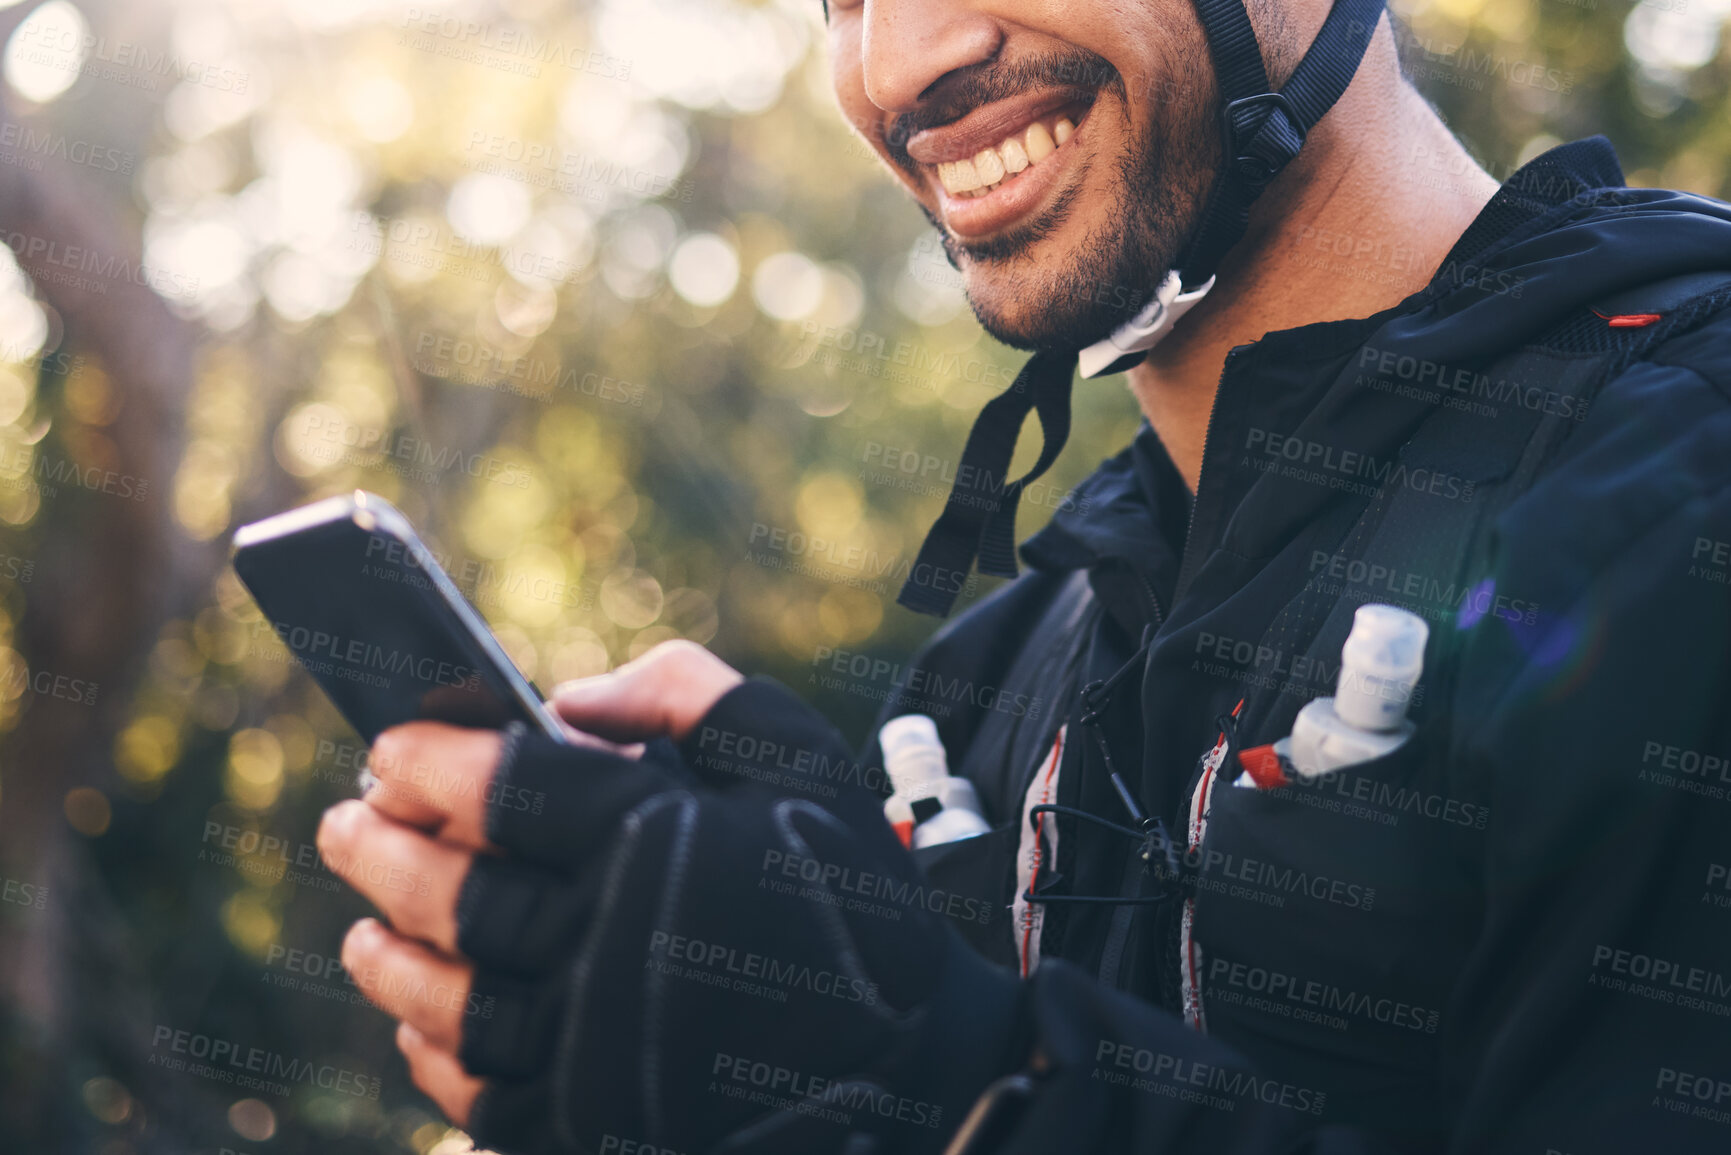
(1073, 299)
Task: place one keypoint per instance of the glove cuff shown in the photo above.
(979, 1028)
(761, 725)
(761, 733)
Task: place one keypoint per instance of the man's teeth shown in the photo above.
(989, 167)
(992, 166)
(1040, 144)
(958, 176)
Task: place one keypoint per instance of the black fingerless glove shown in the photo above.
(727, 950)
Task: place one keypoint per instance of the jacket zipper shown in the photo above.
(1118, 931)
(1155, 613)
(1202, 472)
(1189, 998)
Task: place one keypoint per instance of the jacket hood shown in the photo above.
(1562, 234)
(1562, 238)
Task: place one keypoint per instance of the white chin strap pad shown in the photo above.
(1147, 329)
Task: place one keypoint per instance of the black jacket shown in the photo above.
(1514, 933)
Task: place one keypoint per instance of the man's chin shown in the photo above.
(1061, 293)
(1030, 290)
(1065, 316)
(1033, 333)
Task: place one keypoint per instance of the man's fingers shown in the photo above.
(412, 878)
(408, 981)
(437, 778)
(437, 1072)
(664, 693)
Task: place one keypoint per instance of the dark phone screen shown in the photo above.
(360, 612)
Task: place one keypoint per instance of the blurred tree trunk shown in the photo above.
(107, 577)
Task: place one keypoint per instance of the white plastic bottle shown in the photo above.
(929, 806)
(1379, 668)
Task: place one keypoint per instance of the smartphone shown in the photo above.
(364, 606)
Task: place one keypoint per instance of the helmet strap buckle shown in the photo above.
(1130, 342)
(1243, 131)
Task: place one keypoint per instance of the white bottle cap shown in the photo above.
(1322, 742)
(1379, 666)
(913, 755)
(951, 824)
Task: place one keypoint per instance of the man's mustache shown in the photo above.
(966, 89)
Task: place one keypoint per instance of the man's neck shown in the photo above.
(1359, 222)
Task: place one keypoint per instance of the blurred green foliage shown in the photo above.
(638, 334)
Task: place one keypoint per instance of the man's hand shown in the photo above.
(663, 694)
(714, 939)
(409, 845)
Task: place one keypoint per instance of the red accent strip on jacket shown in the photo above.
(1055, 759)
(1630, 320)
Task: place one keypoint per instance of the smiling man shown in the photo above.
(1370, 375)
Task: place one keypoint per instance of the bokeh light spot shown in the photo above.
(106, 1099)
(488, 209)
(704, 270)
(88, 811)
(788, 286)
(46, 52)
(252, 1119)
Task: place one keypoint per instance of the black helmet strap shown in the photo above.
(979, 519)
(1262, 132)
